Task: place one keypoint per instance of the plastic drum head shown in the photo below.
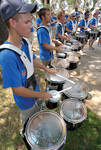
(79, 90)
(56, 96)
(45, 130)
(60, 63)
(65, 48)
(73, 59)
(74, 54)
(56, 79)
(73, 111)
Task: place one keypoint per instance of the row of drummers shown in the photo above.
(85, 29)
(69, 93)
(48, 129)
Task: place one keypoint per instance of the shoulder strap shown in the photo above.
(15, 48)
(11, 47)
(43, 27)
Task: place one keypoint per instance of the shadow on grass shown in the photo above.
(87, 136)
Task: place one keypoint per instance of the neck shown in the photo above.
(15, 40)
(44, 23)
(60, 21)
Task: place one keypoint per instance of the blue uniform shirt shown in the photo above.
(70, 26)
(43, 37)
(53, 19)
(58, 30)
(14, 74)
(93, 21)
(82, 23)
(38, 21)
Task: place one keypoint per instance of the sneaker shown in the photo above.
(91, 48)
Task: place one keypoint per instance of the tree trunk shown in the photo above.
(3, 31)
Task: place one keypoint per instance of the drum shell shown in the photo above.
(61, 55)
(93, 34)
(52, 104)
(25, 134)
(81, 38)
(73, 63)
(54, 85)
(99, 34)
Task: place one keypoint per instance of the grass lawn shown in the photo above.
(86, 137)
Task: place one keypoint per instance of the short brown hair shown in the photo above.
(60, 13)
(42, 12)
(14, 17)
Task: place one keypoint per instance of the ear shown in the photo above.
(42, 17)
(12, 23)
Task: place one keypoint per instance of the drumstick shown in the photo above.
(65, 78)
(61, 91)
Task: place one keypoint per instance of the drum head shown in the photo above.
(45, 130)
(73, 111)
(56, 79)
(60, 63)
(65, 48)
(74, 54)
(79, 90)
(56, 96)
(73, 59)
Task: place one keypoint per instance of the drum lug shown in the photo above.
(73, 125)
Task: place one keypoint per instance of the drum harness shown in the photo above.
(50, 35)
(63, 30)
(31, 81)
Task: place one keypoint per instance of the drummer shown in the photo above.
(71, 25)
(83, 25)
(60, 28)
(16, 74)
(44, 37)
(93, 26)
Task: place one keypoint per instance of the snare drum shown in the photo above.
(73, 112)
(46, 130)
(75, 54)
(61, 55)
(54, 101)
(73, 62)
(81, 38)
(55, 82)
(79, 90)
(93, 35)
(59, 63)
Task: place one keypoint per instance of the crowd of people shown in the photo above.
(16, 56)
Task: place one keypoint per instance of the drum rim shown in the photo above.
(80, 98)
(68, 119)
(64, 129)
(58, 66)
